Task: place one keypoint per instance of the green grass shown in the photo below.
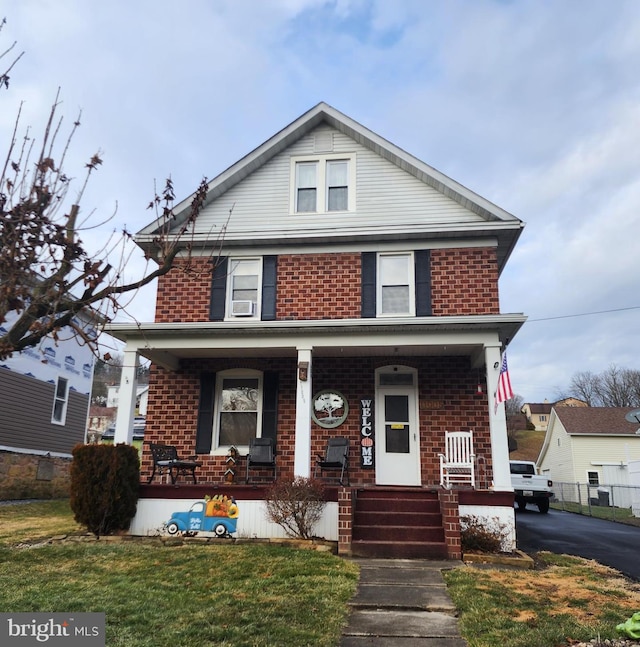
(156, 595)
(259, 595)
(33, 521)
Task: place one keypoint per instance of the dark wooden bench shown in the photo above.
(167, 461)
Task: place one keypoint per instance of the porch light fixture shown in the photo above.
(303, 371)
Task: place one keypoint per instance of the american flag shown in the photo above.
(504, 390)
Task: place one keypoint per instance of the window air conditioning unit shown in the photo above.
(242, 308)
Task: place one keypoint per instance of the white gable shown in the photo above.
(398, 197)
(386, 197)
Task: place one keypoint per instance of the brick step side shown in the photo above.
(395, 550)
(395, 518)
(398, 505)
(401, 534)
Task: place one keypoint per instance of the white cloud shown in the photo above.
(533, 104)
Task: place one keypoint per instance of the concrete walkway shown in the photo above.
(402, 603)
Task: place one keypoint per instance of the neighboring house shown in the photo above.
(537, 414)
(45, 396)
(142, 398)
(592, 445)
(351, 272)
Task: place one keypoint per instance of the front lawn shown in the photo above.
(155, 595)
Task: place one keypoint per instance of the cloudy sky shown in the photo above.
(533, 104)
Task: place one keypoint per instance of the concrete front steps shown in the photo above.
(398, 523)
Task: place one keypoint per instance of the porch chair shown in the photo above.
(261, 456)
(457, 464)
(167, 461)
(336, 458)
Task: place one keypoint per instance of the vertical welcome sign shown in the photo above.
(367, 443)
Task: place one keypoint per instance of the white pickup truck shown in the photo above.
(530, 487)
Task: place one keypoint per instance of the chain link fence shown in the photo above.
(616, 502)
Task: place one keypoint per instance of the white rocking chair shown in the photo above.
(457, 465)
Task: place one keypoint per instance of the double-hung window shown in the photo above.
(306, 187)
(238, 407)
(60, 399)
(323, 184)
(337, 185)
(396, 292)
(243, 290)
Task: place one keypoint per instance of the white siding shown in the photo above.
(386, 195)
(558, 463)
(591, 451)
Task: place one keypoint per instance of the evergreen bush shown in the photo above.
(104, 486)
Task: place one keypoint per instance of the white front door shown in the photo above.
(397, 434)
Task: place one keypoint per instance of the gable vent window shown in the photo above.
(323, 143)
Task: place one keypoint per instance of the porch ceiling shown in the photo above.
(166, 344)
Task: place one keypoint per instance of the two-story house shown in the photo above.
(349, 267)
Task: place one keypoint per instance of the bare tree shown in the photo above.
(585, 386)
(513, 406)
(614, 387)
(48, 276)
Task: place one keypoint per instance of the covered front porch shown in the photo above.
(404, 383)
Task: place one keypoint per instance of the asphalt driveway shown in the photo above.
(610, 543)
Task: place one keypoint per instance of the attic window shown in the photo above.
(323, 184)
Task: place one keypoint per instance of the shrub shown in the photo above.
(104, 486)
(482, 535)
(296, 505)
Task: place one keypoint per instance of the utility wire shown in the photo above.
(584, 314)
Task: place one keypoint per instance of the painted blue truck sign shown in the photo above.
(217, 515)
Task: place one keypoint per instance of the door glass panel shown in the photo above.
(396, 408)
(396, 412)
(397, 438)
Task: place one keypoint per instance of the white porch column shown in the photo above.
(497, 423)
(127, 398)
(302, 455)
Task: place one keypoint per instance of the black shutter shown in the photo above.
(269, 277)
(204, 431)
(368, 286)
(270, 405)
(423, 283)
(218, 302)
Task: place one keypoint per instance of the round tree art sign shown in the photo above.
(330, 408)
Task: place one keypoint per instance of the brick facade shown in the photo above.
(463, 282)
(330, 284)
(447, 401)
